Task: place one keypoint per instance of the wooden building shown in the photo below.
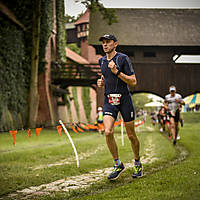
(151, 38)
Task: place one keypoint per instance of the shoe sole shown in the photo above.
(112, 179)
(137, 176)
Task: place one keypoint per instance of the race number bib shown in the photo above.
(114, 99)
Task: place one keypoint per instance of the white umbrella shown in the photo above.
(154, 104)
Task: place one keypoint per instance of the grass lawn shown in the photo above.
(163, 178)
(180, 181)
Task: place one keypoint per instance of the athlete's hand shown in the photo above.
(100, 82)
(180, 101)
(113, 67)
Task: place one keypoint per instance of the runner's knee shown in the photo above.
(109, 132)
(132, 137)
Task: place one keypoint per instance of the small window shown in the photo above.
(149, 54)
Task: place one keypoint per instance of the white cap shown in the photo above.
(100, 108)
(172, 88)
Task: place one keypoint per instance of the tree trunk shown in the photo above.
(33, 92)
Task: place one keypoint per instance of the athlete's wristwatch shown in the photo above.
(118, 72)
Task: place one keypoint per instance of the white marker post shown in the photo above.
(122, 132)
(70, 139)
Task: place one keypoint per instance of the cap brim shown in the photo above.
(103, 38)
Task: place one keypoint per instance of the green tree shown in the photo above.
(71, 19)
(74, 47)
(139, 100)
(23, 66)
(107, 13)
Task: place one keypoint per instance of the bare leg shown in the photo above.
(173, 129)
(130, 129)
(176, 129)
(168, 130)
(108, 122)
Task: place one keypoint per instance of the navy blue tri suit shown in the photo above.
(114, 85)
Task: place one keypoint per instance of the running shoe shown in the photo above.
(178, 137)
(137, 170)
(118, 169)
(174, 142)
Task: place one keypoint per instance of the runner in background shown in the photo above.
(153, 118)
(164, 121)
(173, 102)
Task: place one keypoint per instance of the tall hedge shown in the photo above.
(15, 59)
(14, 73)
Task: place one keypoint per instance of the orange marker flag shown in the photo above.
(74, 129)
(29, 132)
(117, 123)
(92, 126)
(38, 130)
(59, 130)
(84, 126)
(13, 133)
(79, 129)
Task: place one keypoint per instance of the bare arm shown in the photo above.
(129, 79)
(180, 101)
(100, 82)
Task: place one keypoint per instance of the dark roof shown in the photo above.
(150, 27)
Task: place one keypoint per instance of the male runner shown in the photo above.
(117, 74)
(173, 101)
